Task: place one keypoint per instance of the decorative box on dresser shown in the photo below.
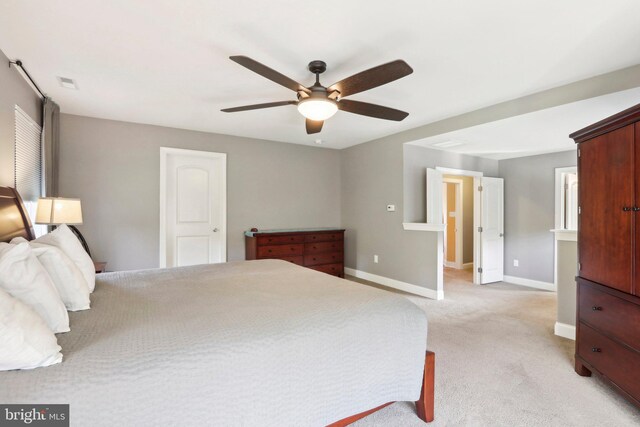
(608, 306)
(320, 249)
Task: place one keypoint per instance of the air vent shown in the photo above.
(67, 83)
(447, 144)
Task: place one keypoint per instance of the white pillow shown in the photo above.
(66, 276)
(24, 278)
(27, 342)
(64, 239)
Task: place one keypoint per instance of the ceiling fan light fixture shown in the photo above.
(317, 109)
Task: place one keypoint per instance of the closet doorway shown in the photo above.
(458, 205)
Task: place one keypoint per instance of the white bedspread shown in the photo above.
(254, 343)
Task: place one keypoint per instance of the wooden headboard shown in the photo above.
(14, 220)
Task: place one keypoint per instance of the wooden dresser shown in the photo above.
(608, 306)
(320, 249)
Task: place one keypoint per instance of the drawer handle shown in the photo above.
(293, 249)
(596, 350)
(269, 250)
(314, 259)
(627, 208)
(596, 308)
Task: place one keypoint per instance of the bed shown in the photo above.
(235, 344)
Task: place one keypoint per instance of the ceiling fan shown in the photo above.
(317, 103)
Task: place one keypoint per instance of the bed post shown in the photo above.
(425, 406)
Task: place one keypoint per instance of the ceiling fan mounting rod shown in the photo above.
(317, 67)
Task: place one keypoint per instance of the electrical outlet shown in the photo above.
(391, 208)
(375, 259)
(516, 263)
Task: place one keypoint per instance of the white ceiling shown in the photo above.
(166, 62)
(543, 131)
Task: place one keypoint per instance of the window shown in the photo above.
(566, 198)
(28, 163)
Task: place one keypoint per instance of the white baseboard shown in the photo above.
(545, 286)
(395, 284)
(565, 331)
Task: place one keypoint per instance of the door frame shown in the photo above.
(459, 186)
(165, 152)
(477, 249)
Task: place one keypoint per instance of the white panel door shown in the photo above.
(492, 235)
(434, 197)
(194, 207)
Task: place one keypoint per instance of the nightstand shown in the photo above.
(100, 266)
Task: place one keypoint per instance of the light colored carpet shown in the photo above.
(498, 363)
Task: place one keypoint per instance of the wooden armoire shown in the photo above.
(608, 306)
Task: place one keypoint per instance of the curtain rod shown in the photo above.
(18, 63)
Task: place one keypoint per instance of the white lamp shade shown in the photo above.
(317, 109)
(57, 210)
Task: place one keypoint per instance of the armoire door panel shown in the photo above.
(636, 282)
(607, 196)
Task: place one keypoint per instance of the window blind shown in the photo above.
(28, 157)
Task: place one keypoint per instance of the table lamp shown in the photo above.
(58, 210)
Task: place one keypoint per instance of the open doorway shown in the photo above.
(457, 203)
(458, 219)
(487, 223)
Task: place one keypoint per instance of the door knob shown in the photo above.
(215, 230)
(501, 234)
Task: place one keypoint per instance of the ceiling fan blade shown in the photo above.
(373, 77)
(314, 126)
(371, 110)
(258, 106)
(269, 73)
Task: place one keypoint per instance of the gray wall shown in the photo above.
(14, 90)
(567, 272)
(372, 177)
(114, 167)
(385, 172)
(529, 187)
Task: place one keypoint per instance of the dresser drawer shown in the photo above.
(279, 240)
(277, 251)
(610, 315)
(323, 237)
(317, 248)
(615, 361)
(325, 258)
(335, 269)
